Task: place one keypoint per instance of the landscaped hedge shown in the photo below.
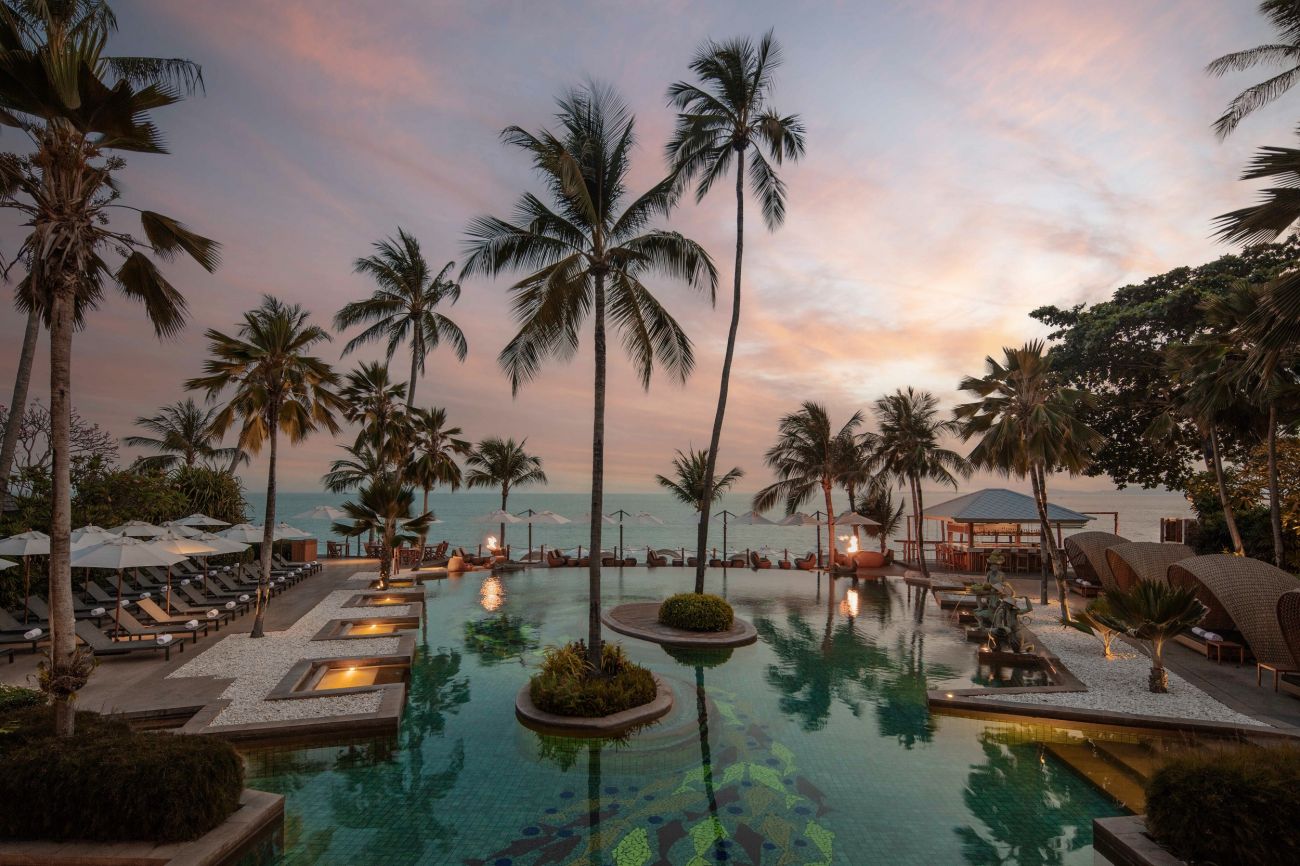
(17, 698)
(108, 783)
(1236, 806)
(695, 611)
(567, 686)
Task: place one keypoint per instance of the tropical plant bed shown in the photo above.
(641, 620)
(568, 696)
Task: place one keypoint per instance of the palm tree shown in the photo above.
(689, 484)
(354, 471)
(182, 436)
(18, 403)
(275, 387)
(909, 448)
(727, 116)
(1285, 17)
(1153, 612)
(809, 454)
(404, 307)
(862, 472)
(585, 256)
(1028, 425)
(384, 507)
(78, 108)
(497, 462)
(432, 451)
(879, 505)
(374, 402)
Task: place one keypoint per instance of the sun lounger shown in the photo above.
(102, 645)
(807, 563)
(9, 624)
(654, 560)
(756, 562)
(161, 617)
(127, 625)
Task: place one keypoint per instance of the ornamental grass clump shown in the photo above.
(696, 611)
(1236, 806)
(567, 685)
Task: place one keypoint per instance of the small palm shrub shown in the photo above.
(1153, 613)
(696, 611)
(568, 686)
(1235, 805)
(104, 784)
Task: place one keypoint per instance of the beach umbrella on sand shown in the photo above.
(185, 547)
(117, 554)
(26, 545)
(138, 529)
(202, 521)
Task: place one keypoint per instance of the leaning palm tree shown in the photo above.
(182, 436)
(1154, 613)
(404, 306)
(503, 463)
(275, 387)
(727, 117)
(689, 484)
(384, 508)
(432, 449)
(22, 382)
(353, 471)
(79, 108)
(1285, 18)
(584, 256)
(809, 455)
(909, 448)
(1028, 425)
(374, 402)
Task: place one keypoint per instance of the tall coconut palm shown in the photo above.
(586, 257)
(374, 402)
(404, 306)
(432, 448)
(18, 403)
(727, 117)
(809, 455)
(689, 484)
(275, 387)
(182, 437)
(503, 463)
(384, 507)
(1285, 18)
(1028, 425)
(352, 472)
(862, 472)
(910, 448)
(880, 506)
(78, 107)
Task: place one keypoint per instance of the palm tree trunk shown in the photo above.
(1039, 479)
(706, 757)
(63, 642)
(702, 535)
(18, 405)
(415, 367)
(268, 531)
(505, 494)
(1229, 513)
(918, 509)
(597, 482)
(830, 521)
(1274, 496)
(424, 533)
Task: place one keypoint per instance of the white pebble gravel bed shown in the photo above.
(257, 666)
(1119, 685)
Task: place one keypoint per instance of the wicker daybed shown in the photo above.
(1242, 594)
(1087, 553)
(1144, 560)
(1288, 620)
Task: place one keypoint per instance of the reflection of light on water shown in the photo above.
(491, 594)
(849, 605)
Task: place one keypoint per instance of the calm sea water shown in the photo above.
(1139, 514)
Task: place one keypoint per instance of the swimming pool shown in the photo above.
(813, 746)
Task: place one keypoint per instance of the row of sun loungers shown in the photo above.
(151, 619)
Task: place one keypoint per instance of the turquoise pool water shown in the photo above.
(813, 746)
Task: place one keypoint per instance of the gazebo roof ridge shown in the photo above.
(1000, 505)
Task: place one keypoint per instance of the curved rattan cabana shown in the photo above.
(1144, 560)
(1288, 620)
(1087, 553)
(1242, 594)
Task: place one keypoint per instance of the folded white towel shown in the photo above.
(243, 598)
(212, 614)
(1206, 635)
(164, 639)
(185, 581)
(33, 634)
(98, 611)
(230, 605)
(145, 594)
(192, 624)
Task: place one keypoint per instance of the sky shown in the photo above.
(966, 163)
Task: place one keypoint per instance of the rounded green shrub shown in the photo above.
(108, 783)
(695, 611)
(1233, 805)
(17, 698)
(568, 686)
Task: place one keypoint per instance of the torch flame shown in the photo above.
(491, 543)
(853, 545)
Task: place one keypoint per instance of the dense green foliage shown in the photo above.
(696, 612)
(1229, 806)
(1248, 491)
(17, 698)
(568, 686)
(111, 784)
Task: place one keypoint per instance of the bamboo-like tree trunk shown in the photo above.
(63, 641)
(702, 534)
(268, 531)
(18, 405)
(1274, 495)
(1229, 513)
(597, 481)
(1039, 478)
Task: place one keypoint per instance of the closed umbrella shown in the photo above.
(26, 545)
(138, 529)
(185, 547)
(119, 553)
(202, 521)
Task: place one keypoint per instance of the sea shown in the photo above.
(659, 521)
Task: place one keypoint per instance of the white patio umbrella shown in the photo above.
(203, 521)
(285, 532)
(119, 553)
(752, 518)
(245, 532)
(138, 529)
(541, 518)
(5, 563)
(585, 517)
(219, 545)
(501, 517)
(801, 519)
(26, 545)
(322, 512)
(88, 535)
(177, 528)
(185, 547)
(852, 518)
